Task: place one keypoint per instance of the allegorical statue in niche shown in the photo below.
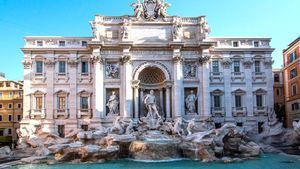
(112, 71)
(125, 29)
(150, 102)
(190, 102)
(113, 104)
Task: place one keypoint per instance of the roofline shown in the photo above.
(292, 44)
(242, 37)
(64, 37)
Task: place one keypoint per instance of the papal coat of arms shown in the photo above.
(150, 9)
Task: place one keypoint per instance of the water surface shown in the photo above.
(266, 161)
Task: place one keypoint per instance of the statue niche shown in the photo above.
(152, 92)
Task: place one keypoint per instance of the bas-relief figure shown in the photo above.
(190, 103)
(190, 71)
(112, 71)
(113, 104)
(150, 102)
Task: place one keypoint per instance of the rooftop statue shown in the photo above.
(150, 9)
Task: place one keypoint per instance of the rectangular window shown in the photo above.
(62, 43)
(293, 57)
(215, 66)
(217, 101)
(9, 131)
(39, 43)
(293, 73)
(84, 43)
(235, 44)
(238, 101)
(1, 84)
(19, 117)
(39, 67)
(1, 106)
(84, 103)
(236, 66)
(39, 103)
(294, 89)
(1, 118)
(61, 67)
(278, 92)
(10, 117)
(61, 103)
(10, 106)
(7, 84)
(257, 66)
(259, 101)
(1, 132)
(256, 44)
(10, 95)
(19, 105)
(1, 95)
(84, 67)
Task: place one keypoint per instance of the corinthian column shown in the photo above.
(126, 78)
(98, 62)
(206, 104)
(178, 100)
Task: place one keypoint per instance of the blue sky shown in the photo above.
(278, 19)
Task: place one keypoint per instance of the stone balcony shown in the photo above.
(239, 111)
(260, 111)
(218, 111)
(216, 77)
(237, 76)
(39, 77)
(259, 76)
(84, 113)
(62, 77)
(64, 113)
(85, 77)
(37, 113)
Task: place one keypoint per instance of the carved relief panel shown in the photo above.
(112, 71)
(190, 70)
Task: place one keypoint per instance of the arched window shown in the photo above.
(276, 78)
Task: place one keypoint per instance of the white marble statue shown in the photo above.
(138, 9)
(125, 29)
(190, 102)
(150, 102)
(204, 27)
(162, 8)
(113, 104)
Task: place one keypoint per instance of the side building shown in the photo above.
(291, 57)
(11, 109)
(279, 96)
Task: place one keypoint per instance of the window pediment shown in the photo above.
(217, 92)
(260, 91)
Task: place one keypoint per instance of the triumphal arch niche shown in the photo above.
(147, 56)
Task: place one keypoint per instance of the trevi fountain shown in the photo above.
(154, 132)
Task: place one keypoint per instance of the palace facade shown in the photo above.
(85, 82)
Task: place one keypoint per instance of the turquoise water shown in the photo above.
(268, 161)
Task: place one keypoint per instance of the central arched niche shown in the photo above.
(152, 76)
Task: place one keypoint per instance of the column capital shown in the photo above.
(204, 59)
(135, 84)
(125, 59)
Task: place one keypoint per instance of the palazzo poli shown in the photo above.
(148, 62)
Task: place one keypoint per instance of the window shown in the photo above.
(39, 67)
(84, 103)
(257, 66)
(62, 43)
(1, 95)
(39, 43)
(215, 66)
(7, 84)
(256, 44)
(19, 105)
(10, 106)
(293, 73)
(259, 101)
(276, 78)
(278, 93)
(1, 106)
(85, 127)
(295, 106)
(61, 67)
(294, 89)
(10, 95)
(61, 130)
(236, 66)
(1, 118)
(235, 44)
(84, 43)
(1, 84)
(217, 101)
(20, 94)
(19, 117)
(10, 117)
(39, 103)
(1, 132)
(293, 57)
(9, 131)
(84, 67)
(61, 103)
(238, 101)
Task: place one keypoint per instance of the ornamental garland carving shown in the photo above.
(72, 62)
(49, 62)
(98, 59)
(226, 62)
